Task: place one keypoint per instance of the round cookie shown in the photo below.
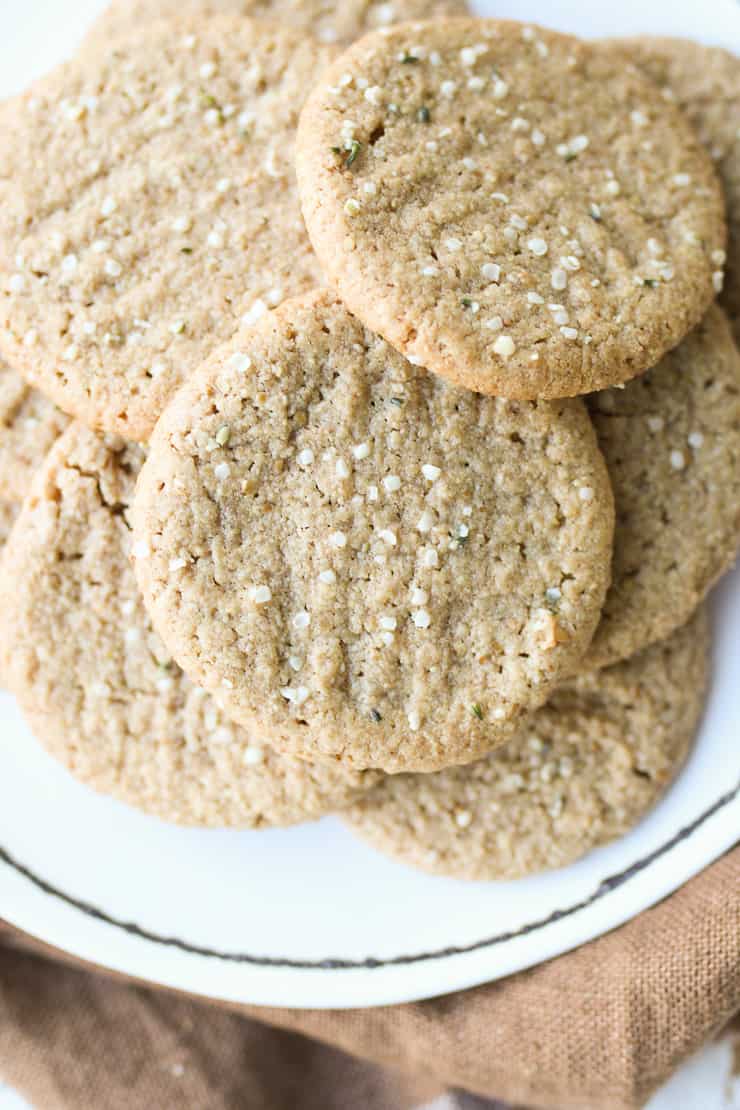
(97, 685)
(705, 82)
(329, 20)
(512, 208)
(152, 208)
(671, 440)
(29, 425)
(365, 562)
(582, 772)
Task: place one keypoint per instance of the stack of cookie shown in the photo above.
(409, 511)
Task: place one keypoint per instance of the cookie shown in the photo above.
(97, 685)
(29, 425)
(8, 513)
(366, 563)
(671, 440)
(152, 209)
(705, 82)
(583, 771)
(509, 207)
(330, 21)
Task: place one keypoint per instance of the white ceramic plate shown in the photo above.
(309, 916)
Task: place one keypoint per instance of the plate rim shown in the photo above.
(608, 885)
(332, 984)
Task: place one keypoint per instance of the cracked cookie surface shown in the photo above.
(583, 771)
(98, 686)
(514, 209)
(365, 562)
(148, 206)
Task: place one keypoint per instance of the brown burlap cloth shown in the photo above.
(599, 1028)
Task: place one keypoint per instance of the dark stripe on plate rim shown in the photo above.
(607, 886)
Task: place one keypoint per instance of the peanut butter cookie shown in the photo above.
(514, 209)
(148, 208)
(365, 563)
